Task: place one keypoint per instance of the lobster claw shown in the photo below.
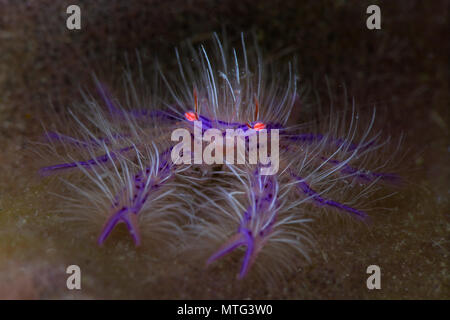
(126, 216)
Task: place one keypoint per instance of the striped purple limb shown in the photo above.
(126, 216)
(243, 238)
(366, 176)
(338, 142)
(144, 114)
(255, 226)
(88, 163)
(318, 199)
(54, 136)
(135, 113)
(144, 184)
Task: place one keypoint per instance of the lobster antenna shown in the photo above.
(256, 108)
(195, 101)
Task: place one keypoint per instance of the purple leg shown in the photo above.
(135, 113)
(235, 242)
(246, 263)
(307, 190)
(338, 142)
(88, 163)
(53, 136)
(126, 216)
(367, 177)
(144, 185)
(243, 238)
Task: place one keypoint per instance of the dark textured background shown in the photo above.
(403, 69)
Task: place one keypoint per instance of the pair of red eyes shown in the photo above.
(257, 126)
(192, 116)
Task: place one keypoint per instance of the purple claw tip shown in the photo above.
(123, 215)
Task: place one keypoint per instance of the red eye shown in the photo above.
(191, 116)
(259, 126)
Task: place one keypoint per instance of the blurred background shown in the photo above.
(402, 69)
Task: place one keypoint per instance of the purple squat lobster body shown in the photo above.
(231, 98)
